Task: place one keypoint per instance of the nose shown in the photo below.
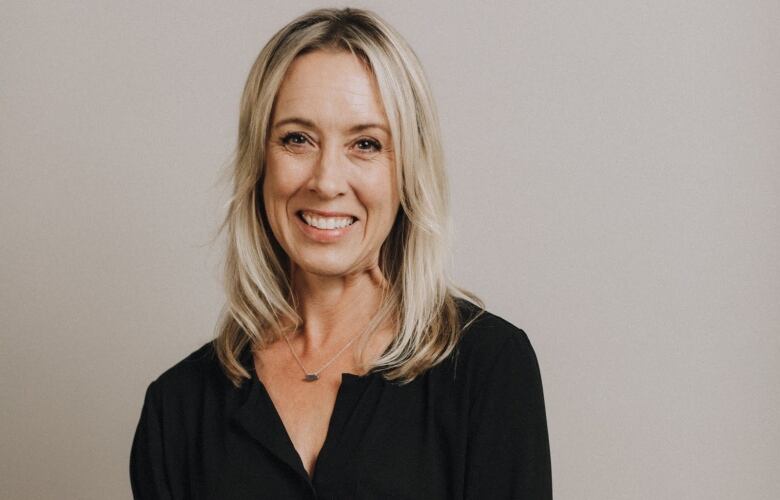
(328, 178)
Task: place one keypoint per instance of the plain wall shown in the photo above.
(615, 182)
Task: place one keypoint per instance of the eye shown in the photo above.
(368, 145)
(294, 138)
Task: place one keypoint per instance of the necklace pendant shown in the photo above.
(310, 377)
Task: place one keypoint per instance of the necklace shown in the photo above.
(311, 377)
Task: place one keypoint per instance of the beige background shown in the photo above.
(615, 179)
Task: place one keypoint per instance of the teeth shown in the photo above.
(327, 222)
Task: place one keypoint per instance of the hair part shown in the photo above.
(415, 259)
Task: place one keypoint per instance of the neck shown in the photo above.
(335, 308)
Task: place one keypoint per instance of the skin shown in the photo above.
(324, 166)
(327, 167)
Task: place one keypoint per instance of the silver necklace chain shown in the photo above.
(311, 377)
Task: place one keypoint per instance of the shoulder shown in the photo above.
(491, 346)
(487, 334)
(189, 375)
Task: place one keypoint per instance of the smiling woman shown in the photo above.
(338, 244)
(337, 171)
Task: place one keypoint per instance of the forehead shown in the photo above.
(332, 87)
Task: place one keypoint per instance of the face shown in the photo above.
(329, 189)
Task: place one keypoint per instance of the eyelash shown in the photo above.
(374, 144)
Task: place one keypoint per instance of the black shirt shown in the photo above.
(471, 427)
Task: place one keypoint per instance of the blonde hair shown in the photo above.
(420, 298)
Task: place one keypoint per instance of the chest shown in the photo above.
(305, 409)
(365, 440)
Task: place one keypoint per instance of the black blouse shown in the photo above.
(472, 427)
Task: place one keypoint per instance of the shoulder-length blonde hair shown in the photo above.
(420, 298)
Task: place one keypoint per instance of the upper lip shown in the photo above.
(326, 214)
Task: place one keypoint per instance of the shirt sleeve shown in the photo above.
(147, 468)
(508, 451)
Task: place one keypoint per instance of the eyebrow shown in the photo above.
(311, 125)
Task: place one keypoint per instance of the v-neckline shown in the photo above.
(273, 434)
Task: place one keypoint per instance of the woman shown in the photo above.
(346, 365)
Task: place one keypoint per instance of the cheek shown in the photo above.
(280, 183)
(274, 199)
(381, 198)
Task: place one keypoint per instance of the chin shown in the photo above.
(332, 266)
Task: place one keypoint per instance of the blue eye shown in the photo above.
(298, 139)
(372, 144)
(293, 135)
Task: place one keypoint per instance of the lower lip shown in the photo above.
(323, 235)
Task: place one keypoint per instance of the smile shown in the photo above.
(324, 229)
(326, 222)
